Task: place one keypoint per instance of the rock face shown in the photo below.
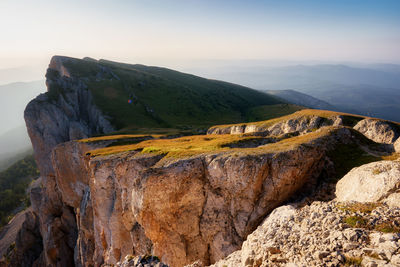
(203, 207)
(66, 113)
(299, 125)
(53, 119)
(20, 241)
(370, 183)
(318, 235)
(340, 232)
(378, 130)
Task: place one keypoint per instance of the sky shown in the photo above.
(161, 32)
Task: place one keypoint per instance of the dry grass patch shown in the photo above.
(352, 261)
(359, 207)
(392, 157)
(387, 227)
(116, 137)
(198, 144)
(305, 112)
(356, 221)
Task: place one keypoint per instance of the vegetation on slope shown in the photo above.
(348, 119)
(13, 184)
(197, 144)
(137, 96)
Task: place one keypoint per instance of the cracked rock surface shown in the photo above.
(319, 234)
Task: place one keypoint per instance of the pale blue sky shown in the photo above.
(163, 31)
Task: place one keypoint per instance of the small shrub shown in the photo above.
(387, 227)
(359, 207)
(374, 255)
(130, 257)
(151, 150)
(356, 221)
(353, 261)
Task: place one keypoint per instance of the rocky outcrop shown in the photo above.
(352, 230)
(370, 182)
(202, 206)
(378, 130)
(65, 113)
(319, 234)
(298, 124)
(20, 241)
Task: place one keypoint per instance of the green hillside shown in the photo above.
(13, 183)
(164, 98)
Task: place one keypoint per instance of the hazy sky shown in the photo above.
(160, 31)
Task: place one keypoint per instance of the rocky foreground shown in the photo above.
(322, 234)
(314, 188)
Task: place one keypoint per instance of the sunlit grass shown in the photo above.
(349, 119)
(198, 144)
(116, 137)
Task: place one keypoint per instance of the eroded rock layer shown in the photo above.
(187, 208)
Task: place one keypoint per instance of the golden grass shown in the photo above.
(198, 144)
(392, 157)
(116, 137)
(359, 207)
(305, 112)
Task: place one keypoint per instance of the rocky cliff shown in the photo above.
(104, 201)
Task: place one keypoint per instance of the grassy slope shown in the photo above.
(163, 98)
(348, 119)
(197, 144)
(344, 157)
(13, 183)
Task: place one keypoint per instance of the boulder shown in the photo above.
(370, 182)
(378, 130)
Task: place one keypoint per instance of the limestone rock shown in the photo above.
(300, 124)
(56, 118)
(203, 207)
(53, 119)
(316, 234)
(378, 130)
(393, 200)
(370, 182)
(20, 241)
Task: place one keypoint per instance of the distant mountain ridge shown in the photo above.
(365, 89)
(301, 99)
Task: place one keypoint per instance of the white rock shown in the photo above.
(370, 182)
(393, 200)
(377, 130)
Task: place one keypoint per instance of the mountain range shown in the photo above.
(367, 89)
